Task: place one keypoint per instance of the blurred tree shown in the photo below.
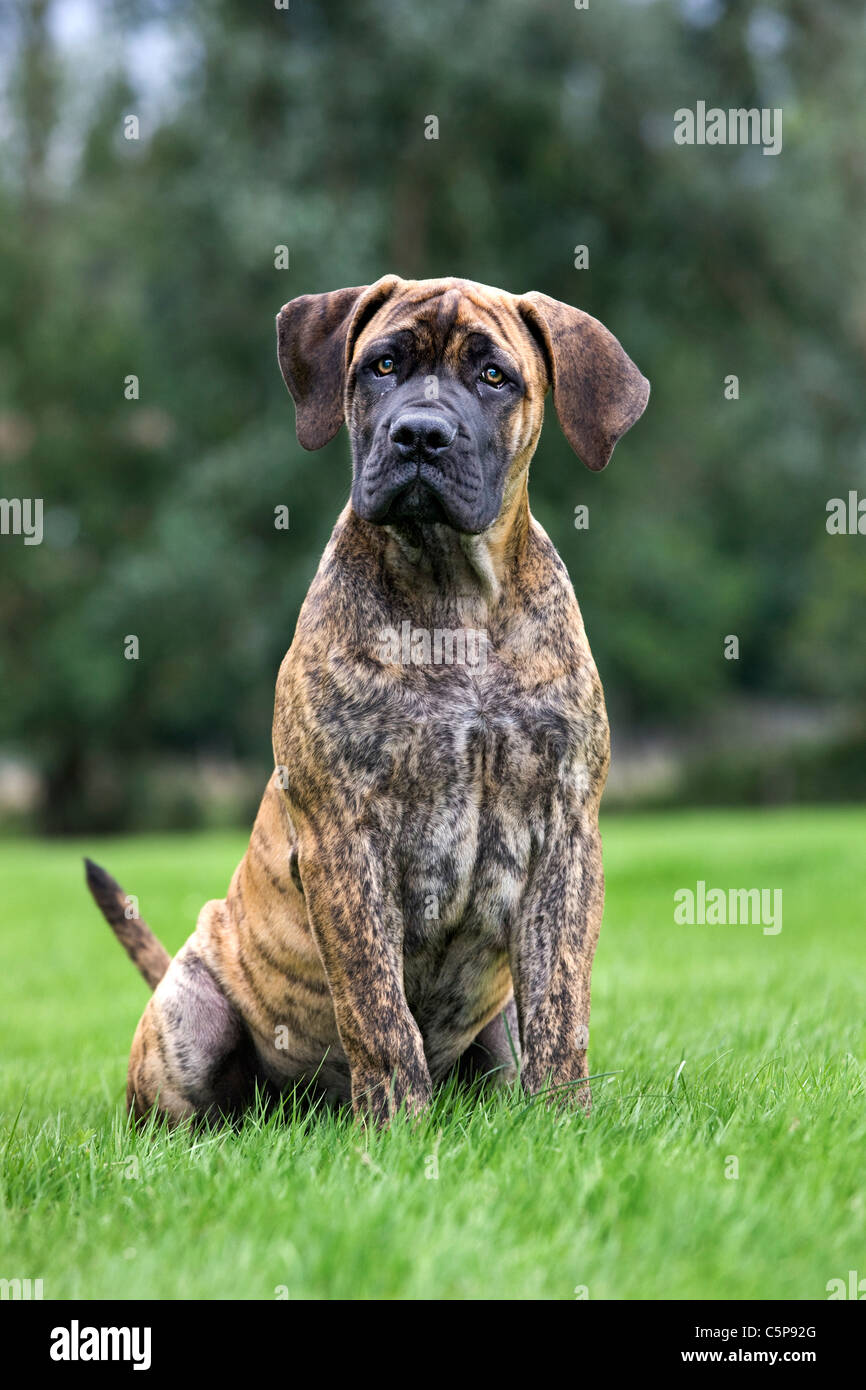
(260, 128)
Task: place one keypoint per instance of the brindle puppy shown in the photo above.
(427, 854)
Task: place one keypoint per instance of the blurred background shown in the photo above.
(304, 128)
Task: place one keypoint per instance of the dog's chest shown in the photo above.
(458, 777)
(475, 774)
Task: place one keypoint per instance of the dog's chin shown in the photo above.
(413, 506)
(418, 504)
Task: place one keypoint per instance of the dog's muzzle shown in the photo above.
(416, 476)
(419, 437)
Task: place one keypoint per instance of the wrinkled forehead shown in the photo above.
(439, 317)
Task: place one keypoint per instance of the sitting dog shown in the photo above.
(423, 884)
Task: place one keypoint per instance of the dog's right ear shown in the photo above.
(315, 335)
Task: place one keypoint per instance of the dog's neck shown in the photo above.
(450, 564)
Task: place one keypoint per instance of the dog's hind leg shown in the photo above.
(192, 1058)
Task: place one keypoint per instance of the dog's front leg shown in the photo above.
(359, 934)
(551, 953)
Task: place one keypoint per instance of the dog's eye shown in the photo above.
(494, 376)
(384, 366)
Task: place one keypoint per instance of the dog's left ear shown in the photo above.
(598, 391)
(315, 336)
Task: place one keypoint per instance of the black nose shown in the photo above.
(421, 432)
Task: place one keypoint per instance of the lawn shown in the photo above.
(723, 1156)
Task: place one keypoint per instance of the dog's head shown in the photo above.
(442, 385)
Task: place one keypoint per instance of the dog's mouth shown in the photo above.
(414, 503)
(414, 492)
(402, 497)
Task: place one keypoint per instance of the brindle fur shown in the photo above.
(472, 789)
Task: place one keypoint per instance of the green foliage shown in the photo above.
(306, 128)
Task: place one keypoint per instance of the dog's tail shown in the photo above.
(134, 935)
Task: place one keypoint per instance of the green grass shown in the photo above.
(722, 1042)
